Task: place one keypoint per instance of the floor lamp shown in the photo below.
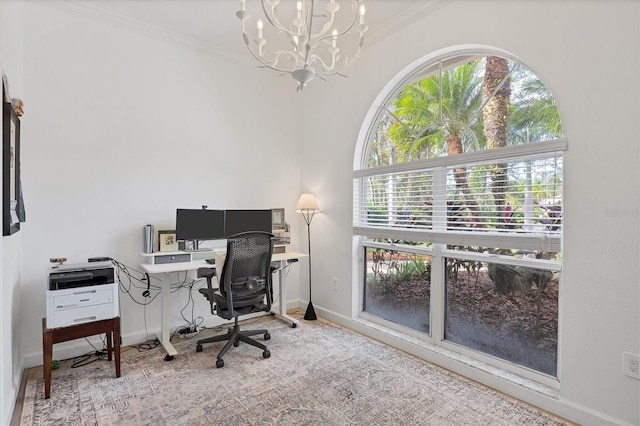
(308, 206)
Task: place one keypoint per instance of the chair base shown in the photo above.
(233, 337)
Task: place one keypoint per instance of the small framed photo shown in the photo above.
(277, 218)
(167, 240)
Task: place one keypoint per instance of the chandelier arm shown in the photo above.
(325, 28)
(316, 58)
(339, 34)
(348, 63)
(333, 70)
(273, 18)
(268, 62)
(317, 42)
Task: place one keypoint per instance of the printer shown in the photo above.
(80, 293)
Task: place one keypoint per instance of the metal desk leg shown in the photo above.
(283, 297)
(165, 336)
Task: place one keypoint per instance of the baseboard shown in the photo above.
(80, 347)
(552, 403)
(12, 398)
(8, 415)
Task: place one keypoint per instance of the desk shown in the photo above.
(166, 268)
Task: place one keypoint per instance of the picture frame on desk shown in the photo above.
(277, 218)
(10, 167)
(167, 240)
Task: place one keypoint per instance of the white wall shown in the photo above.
(588, 54)
(11, 26)
(121, 129)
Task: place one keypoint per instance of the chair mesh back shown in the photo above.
(248, 255)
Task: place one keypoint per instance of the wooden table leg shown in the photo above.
(109, 345)
(47, 354)
(116, 341)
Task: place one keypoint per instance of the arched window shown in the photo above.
(458, 207)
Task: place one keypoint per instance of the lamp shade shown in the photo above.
(307, 202)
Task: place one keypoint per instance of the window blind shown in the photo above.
(516, 196)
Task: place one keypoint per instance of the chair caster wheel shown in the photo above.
(267, 336)
(236, 344)
(266, 353)
(168, 357)
(294, 325)
(198, 348)
(219, 363)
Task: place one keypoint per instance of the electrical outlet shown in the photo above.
(631, 365)
(335, 284)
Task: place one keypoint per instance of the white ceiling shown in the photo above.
(212, 24)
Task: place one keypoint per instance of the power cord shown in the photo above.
(132, 281)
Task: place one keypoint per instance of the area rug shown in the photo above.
(318, 374)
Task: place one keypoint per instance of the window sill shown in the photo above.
(499, 373)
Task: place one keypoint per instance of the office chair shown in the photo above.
(244, 288)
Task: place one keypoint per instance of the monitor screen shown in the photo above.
(237, 221)
(201, 224)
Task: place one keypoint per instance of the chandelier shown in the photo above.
(312, 42)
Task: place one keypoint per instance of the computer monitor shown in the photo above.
(237, 221)
(199, 225)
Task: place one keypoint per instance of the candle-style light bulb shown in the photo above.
(362, 11)
(334, 33)
(242, 5)
(298, 21)
(260, 25)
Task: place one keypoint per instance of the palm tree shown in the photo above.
(427, 120)
(433, 117)
(496, 93)
(441, 114)
(534, 114)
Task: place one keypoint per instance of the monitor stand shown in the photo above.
(196, 249)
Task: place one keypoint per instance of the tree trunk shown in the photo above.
(496, 120)
(454, 147)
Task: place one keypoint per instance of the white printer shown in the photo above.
(80, 293)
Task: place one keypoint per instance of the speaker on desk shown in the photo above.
(148, 239)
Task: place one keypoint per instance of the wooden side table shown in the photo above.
(111, 327)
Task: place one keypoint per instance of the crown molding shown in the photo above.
(85, 9)
(409, 16)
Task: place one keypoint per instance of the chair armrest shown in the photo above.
(208, 292)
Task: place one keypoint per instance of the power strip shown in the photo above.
(188, 335)
(189, 332)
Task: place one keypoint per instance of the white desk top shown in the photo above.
(195, 264)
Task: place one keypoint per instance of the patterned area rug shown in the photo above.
(318, 374)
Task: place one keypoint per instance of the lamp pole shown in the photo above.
(308, 207)
(310, 314)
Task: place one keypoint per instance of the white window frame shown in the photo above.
(439, 236)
